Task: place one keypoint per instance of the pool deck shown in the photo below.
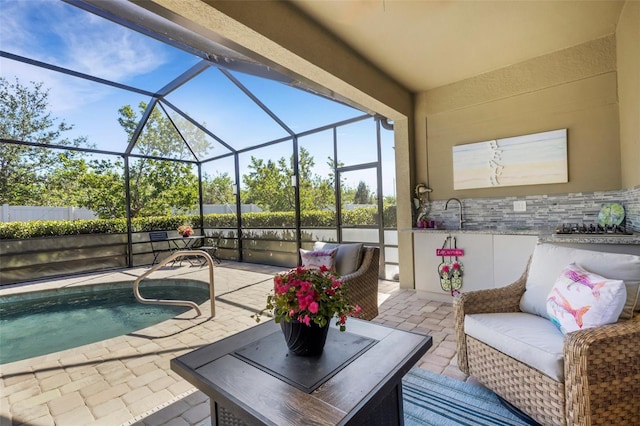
(127, 380)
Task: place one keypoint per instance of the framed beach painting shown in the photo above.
(535, 159)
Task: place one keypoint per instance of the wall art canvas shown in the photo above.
(534, 159)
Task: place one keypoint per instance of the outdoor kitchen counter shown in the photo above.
(493, 258)
(543, 236)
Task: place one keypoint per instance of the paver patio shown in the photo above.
(127, 379)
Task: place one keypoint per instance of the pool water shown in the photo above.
(40, 326)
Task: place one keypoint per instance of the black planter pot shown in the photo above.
(304, 340)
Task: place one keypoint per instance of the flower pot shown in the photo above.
(304, 340)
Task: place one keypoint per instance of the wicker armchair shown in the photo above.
(363, 283)
(601, 367)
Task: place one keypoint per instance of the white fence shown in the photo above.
(229, 208)
(31, 213)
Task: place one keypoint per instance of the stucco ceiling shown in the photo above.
(425, 44)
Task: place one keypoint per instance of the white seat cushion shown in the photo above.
(528, 338)
(549, 260)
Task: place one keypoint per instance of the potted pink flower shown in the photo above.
(185, 230)
(308, 298)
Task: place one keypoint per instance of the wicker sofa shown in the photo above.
(362, 278)
(586, 377)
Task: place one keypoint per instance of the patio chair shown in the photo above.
(363, 283)
(159, 243)
(211, 247)
(359, 266)
(589, 376)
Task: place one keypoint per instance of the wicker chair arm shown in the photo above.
(602, 374)
(493, 300)
(363, 284)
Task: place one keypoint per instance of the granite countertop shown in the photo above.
(546, 236)
(476, 231)
(590, 239)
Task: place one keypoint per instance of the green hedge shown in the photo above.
(42, 228)
(321, 219)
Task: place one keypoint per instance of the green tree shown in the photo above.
(322, 195)
(268, 185)
(389, 200)
(24, 169)
(316, 192)
(104, 189)
(362, 194)
(63, 181)
(160, 186)
(217, 189)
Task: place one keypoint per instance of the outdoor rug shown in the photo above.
(432, 399)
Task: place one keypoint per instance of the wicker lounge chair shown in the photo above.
(363, 283)
(359, 266)
(601, 383)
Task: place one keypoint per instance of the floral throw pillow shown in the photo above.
(319, 258)
(581, 299)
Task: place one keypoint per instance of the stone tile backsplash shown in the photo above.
(544, 212)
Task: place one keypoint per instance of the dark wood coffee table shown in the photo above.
(251, 377)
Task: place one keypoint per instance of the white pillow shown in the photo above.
(319, 258)
(580, 300)
(549, 260)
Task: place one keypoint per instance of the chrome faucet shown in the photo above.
(446, 206)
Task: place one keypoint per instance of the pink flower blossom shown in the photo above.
(310, 296)
(281, 289)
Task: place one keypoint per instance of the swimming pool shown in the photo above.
(39, 323)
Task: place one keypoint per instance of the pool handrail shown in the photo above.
(187, 303)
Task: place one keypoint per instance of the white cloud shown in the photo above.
(107, 50)
(12, 34)
(65, 93)
(58, 33)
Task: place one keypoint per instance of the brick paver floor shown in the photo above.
(127, 380)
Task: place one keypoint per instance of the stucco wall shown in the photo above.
(573, 88)
(628, 43)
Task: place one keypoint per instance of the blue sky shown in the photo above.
(60, 34)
